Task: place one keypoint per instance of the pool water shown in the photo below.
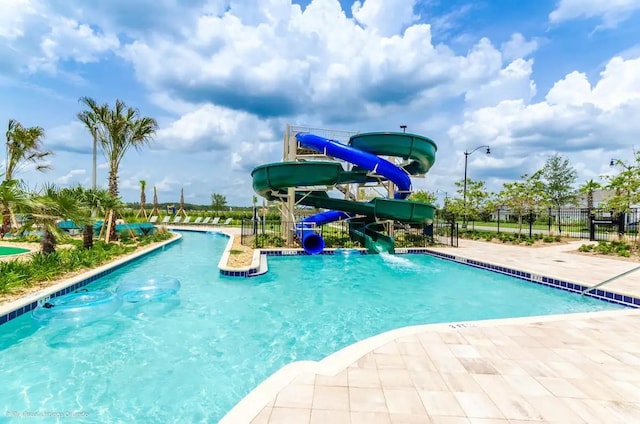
(7, 250)
(191, 358)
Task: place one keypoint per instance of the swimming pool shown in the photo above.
(191, 360)
(8, 250)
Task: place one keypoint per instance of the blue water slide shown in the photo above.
(312, 242)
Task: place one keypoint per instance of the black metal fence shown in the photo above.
(597, 224)
(263, 234)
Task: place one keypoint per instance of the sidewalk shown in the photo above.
(576, 368)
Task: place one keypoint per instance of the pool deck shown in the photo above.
(576, 368)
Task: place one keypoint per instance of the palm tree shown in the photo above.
(143, 199)
(14, 197)
(117, 130)
(155, 210)
(90, 119)
(52, 204)
(588, 188)
(24, 145)
(94, 200)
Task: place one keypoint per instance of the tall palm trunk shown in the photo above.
(6, 220)
(48, 243)
(87, 236)
(113, 189)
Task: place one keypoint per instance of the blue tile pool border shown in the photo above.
(13, 314)
(605, 295)
(544, 280)
(599, 294)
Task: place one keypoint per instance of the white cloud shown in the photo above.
(612, 12)
(574, 116)
(212, 127)
(69, 40)
(518, 47)
(513, 82)
(34, 37)
(386, 17)
(13, 17)
(71, 176)
(316, 62)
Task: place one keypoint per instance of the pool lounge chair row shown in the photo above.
(187, 220)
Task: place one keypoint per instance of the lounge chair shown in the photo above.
(227, 222)
(177, 219)
(198, 220)
(153, 219)
(187, 220)
(206, 220)
(215, 220)
(166, 219)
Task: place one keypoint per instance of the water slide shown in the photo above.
(363, 151)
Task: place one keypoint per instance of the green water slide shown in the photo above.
(363, 150)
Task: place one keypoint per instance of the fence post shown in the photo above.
(453, 223)
(592, 226)
(549, 221)
(498, 220)
(530, 223)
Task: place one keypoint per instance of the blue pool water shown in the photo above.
(192, 358)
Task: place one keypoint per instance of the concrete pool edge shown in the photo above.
(24, 304)
(625, 299)
(259, 266)
(252, 404)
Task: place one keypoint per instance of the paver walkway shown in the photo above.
(559, 261)
(581, 368)
(566, 371)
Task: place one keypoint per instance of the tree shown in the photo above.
(218, 201)
(523, 196)
(94, 200)
(118, 130)
(625, 184)
(143, 199)
(90, 120)
(423, 196)
(52, 204)
(559, 178)
(23, 145)
(588, 187)
(13, 197)
(477, 196)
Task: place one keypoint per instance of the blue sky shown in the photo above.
(224, 77)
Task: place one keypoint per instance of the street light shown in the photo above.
(464, 191)
(404, 128)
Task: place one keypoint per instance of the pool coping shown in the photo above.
(259, 266)
(28, 302)
(251, 405)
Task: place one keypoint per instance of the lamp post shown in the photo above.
(404, 128)
(464, 190)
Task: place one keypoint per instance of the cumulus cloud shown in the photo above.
(13, 17)
(386, 17)
(612, 12)
(575, 115)
(34, 37)
(512, 82)
(71, 176)
(210, 128)
(518, 47)
(312, 62)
